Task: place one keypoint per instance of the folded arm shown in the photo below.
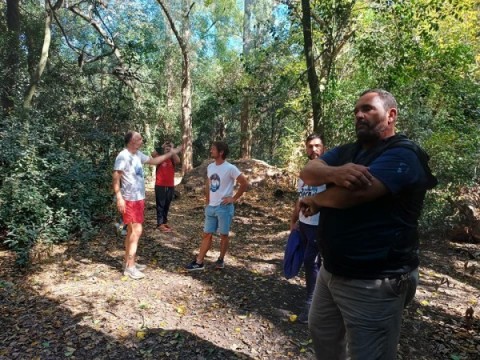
(350, 176)
(341, 198)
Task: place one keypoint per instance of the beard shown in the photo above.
(367, 134)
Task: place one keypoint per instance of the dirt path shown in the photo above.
(76, 304)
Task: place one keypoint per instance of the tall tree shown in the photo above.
(47, 38)
(245, 121)
(12, 55)
(313, 84)
(183, 38)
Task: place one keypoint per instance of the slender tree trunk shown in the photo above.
(12, 56)
(187, 163)
(169, 66)
(47, 37)
(311, 72)
(186, 88)
(245, 121)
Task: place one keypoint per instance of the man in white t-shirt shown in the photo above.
(308, 226)
(129, 189)
(221, 177)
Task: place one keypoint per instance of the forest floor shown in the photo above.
(75, 303)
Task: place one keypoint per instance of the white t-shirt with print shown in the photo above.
(304, 191)
(133, 180)
(221, 180)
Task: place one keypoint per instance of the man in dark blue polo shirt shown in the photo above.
(368, 234)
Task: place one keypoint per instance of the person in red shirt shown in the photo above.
(164, 185)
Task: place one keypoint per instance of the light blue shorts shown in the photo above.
(218, 218)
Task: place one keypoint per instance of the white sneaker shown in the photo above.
(134, 273)
(140, 267)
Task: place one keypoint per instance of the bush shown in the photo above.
(47, 193)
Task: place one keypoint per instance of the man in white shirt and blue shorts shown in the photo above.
(220, 182)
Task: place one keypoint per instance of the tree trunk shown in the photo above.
(169, 66)
(186, 88)
(12, 56)
(47, 37)
(187, 163)
(245, 129)
(245, 121)
(312, 74)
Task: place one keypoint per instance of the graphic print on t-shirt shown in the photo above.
(307, 190)
(139, 172)
(214, 182)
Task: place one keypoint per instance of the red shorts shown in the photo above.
(134, 211)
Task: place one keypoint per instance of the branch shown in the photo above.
(180, 40)
(190, 9)
(122, 72)
(206, 31)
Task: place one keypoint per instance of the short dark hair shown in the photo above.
(221, 146)
(128, 137)
(313, 136)
(387, 98)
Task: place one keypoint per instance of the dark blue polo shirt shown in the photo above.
(378, 238)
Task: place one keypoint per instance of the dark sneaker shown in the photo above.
(219, 264)
(193, 266)
(303, 317)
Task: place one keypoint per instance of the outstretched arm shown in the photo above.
(161, 158)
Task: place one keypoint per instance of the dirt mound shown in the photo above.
(468, 204)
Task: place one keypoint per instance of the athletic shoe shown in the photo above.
(193, 266)
(164, 228)
(118, 228)
(140, 267)
(219, 264)
(303, 317)
(134, 273)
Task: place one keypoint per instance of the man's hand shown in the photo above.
(352, 176)
(176, 150)
(121, 204)
(228, 200)
(308, 206)
(293, 226)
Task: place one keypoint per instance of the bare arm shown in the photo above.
(350, 176)
(117, 175)
(207, 191)
(242, 180)
(341, 198)
(295, 215)
(161, 158)
(176, 159)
